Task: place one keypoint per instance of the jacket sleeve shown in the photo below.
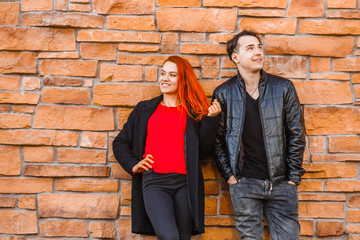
(207, 134)
(123, 143)
(295, 135)
(221, 151)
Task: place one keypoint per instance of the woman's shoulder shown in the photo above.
(149, 103)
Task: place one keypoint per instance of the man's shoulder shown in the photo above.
(225, 85)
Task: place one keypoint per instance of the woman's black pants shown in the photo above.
(167, 205)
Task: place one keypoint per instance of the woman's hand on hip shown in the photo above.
(144, 164)
(214, 109)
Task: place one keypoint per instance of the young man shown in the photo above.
(260, 143)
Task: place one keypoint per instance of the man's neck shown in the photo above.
(250, 78)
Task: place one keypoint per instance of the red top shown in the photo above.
(165, 139)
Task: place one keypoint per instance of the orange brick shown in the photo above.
(79, 8)
(87, 185)
(344, 144)
(126, 193)
(176, 19)
(354, 201)
(317, 144)
(322, 198)
(27, 202)
(9, 83)
(152, 59)
(98, 51)
(131, 23)
(347, 65)
(356, 78)
(63, 228)
(330, 76)
(62, 82)
(346, 14)
(216, 233)
(220, 221)
(122, 116)
(193, 37)
(321, 210)
(39, 154)
(60, 5)
(246, 3)
(353, 228)
(306, 8)
(94, 140)
(261, 13)
(137, 48)
(205, 48)
(306, 228)
(19, 98)
(269, 26)
(310, 186)
(61, 55)
(210, 172)
(320, 170)
(25, 185)
(10, 161)
(120, 7)
(330, 229)
(210, 85)
(170, 43)
(102, 230)
(36, 5)
(210, 67)
(334, 157)
(76, 96)
(357, 91)
(17, 62)
(38, 138)
(341, 4)
(288, 67)
(342, 186)
(126, 73)
(23, 109)
(7, 202)
(15, 121)
(123, 227)
(125, 94)
(338, 121)
(116, 36)
(177, 3)
(333, 27)
(309, 45)
(311, 92)
(320, 64)
(68, 68)
(353, 216)
(75, 118)
(26, 222)
(10, 13)
(210, 206)
(211, 188)
(44, 39)
(31, 83)
(119, 173)
(58, 19)
(225, 204)
(66, 171)
(66, 155)
(151, 74)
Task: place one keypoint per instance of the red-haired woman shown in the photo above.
(160, 146)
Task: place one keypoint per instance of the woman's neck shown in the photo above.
(169, 100)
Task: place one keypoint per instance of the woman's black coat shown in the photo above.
(129, 147)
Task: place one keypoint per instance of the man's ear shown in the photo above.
(234, 58)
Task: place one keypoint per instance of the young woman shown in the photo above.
(161, 145)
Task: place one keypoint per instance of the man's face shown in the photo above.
(248, 55)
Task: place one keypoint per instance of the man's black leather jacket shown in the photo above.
(282, 123)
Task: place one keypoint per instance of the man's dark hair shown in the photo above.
(231, 45)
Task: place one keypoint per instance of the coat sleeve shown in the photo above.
(207, 134)
(221, 153)
(295, 135)
(123, 143)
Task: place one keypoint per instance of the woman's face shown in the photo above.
(169, 80)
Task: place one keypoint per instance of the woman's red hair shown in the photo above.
(190, 90)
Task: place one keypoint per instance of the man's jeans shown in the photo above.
(251, 198)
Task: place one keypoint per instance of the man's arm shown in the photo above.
(221, 153)
(295, 135)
